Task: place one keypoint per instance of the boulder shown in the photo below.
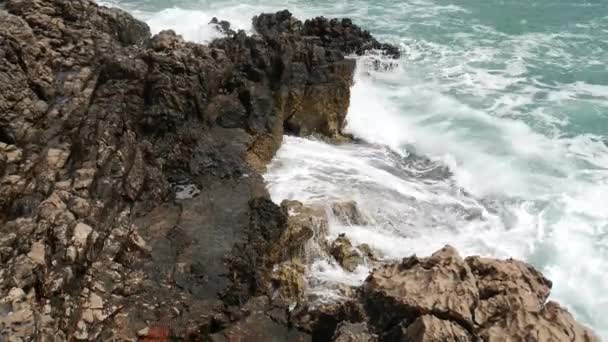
(447, 298)
(345, 254)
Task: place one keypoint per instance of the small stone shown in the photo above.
(71, 253)
(14, 156)
(369, 252)
(87, 316)
(139, 243)
(56, 158)
(51, 208)
(95, 301)
(8, 239)
(80, 207)
(353, 332)
(143, 332)
(37, 253)
(15, 294)
(47, 309)
(99, 315)
(81, 234)
(63, 185)
(23, 271)
(84, 178)
(81, 331)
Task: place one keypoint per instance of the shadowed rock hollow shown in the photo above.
(131, 204)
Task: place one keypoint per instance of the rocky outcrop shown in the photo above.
(346, 36)
(445, 297)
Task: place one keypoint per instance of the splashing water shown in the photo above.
(511, 96)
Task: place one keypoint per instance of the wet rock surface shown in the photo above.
(103, 126)
(345, 254)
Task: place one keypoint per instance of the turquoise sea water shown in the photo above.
(512, 95)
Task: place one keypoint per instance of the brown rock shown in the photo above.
(345, 254)
(81, 234)
(429, 328)
(446, 298)
(288, 278)
(303, 224)
(507, 286)
(442, 285)
(552, 324)
(56, 158)
(37, 254)
(348, 213)
(353, 332)
(100, 123)
(17, 316)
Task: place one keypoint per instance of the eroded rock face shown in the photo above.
(445, 297)
(442, 285)
(100, 123)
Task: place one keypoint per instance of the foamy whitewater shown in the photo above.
(491, 135)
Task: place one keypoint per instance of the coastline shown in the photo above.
(103, 124)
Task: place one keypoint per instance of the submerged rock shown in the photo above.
(348, 213)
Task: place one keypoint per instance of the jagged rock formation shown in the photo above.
(447, 298)
(131, 204)
(101, 126)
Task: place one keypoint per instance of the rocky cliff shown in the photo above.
(131, 201)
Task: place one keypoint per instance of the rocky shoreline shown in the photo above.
(132, 205)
